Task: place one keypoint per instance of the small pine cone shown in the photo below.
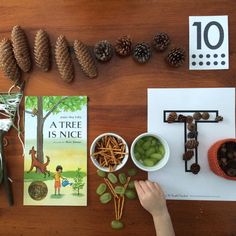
(188, 155)
(195, 168)
(103, 51)
(63, 59)
(192, 134)
(161, 41)
(191, 127)
(8, 62)
(172, 117)
(85, 59)
(21, 48)
(182, 118)
(142, 53)
(205, 115)
(189, 119)
(197, 116)
(176, 57)
(219, 118)
(42, 50)
(123, 46)
(191, 144)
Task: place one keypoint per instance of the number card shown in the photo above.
(208, 43)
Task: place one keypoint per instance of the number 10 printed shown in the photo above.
(208, 42)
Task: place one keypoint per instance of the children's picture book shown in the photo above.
(55, 165)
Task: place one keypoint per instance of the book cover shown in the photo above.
(55, 165)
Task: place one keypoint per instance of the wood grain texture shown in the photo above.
(117, 102)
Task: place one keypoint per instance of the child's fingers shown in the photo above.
(150, 185)
(157, 186)
(144, 186)
(139, 189)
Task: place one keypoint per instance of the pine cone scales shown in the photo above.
(85, 59)
(42, 50)
(161, 41)
(123, 46)
(176, 57)
(142, 53)
(103, 51)
(21, 48)
(63, 59)
(8, 62)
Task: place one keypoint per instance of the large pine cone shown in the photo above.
(21, 48)
(8, 62)
(42, 50)
(123, 46)
(63, 59)
(176, 57)
(85, 59)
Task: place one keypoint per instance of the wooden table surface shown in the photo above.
(117, 102)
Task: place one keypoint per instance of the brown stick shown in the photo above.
(127, 182)
(116, 213)
(110, 187)
(122, 207)
(118, 207)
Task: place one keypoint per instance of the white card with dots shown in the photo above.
(208, 43)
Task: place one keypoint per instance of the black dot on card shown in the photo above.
(194, 63)
(193, 56)
(223, 63)
(208, 63)
(215, 55)
(222, 55)
(208, 55)
(200, 63)
(215, 63)
(200, 56)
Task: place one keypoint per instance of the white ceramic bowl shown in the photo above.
(159, 164)
(92, 148)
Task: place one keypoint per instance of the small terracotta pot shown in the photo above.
(213, 161)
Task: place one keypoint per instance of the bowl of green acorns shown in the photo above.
(150, 152)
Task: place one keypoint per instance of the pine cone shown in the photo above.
(176, 57)
(172, 117)
(219, 118)
(21, 48)
(197, 116)
(205, 115)
(63, 59)
(191, 144)
(103, 51)
(42, 50)
(161, 41)
(123, 46)
(195, 168)
(85, 59)
(8, 62)
(142, 53)
(188, 155)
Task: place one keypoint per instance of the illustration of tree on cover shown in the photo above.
(37, 106)
(78, 180)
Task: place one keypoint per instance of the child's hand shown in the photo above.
(151, 197)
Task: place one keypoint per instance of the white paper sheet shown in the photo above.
(176, 183)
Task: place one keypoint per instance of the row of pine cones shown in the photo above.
(15, 54)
